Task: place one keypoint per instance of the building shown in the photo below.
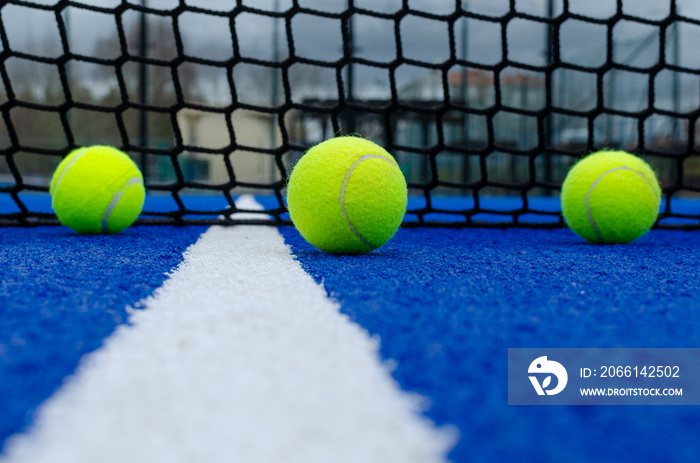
(252, 132)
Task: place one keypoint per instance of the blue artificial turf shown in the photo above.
(447, 304)
(61, 294)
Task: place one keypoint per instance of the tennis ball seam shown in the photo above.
(115, 201)
(342, 195)
(63, 173)
(591, 220)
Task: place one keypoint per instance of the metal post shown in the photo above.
(351, 90)
(275, 88)
(465, 75)
(66, 21)
(676, 89)
(465, 97)
(548, 122)
(143, 90)
(611, 102)
(563, 99)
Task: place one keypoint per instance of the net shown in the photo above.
(484, 104)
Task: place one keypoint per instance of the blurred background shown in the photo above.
(468, 95)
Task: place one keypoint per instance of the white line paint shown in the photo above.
(239, 357)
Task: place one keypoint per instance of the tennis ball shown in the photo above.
(610, 197)
(347, 195)
(97, 190)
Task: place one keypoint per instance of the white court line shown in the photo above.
(238, 357)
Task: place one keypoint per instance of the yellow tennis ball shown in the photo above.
(97, 190)
(347, 195)
(610, 197)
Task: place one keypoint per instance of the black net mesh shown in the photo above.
(485, 104)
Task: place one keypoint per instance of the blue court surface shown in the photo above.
(444, 304)
(447, 304)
